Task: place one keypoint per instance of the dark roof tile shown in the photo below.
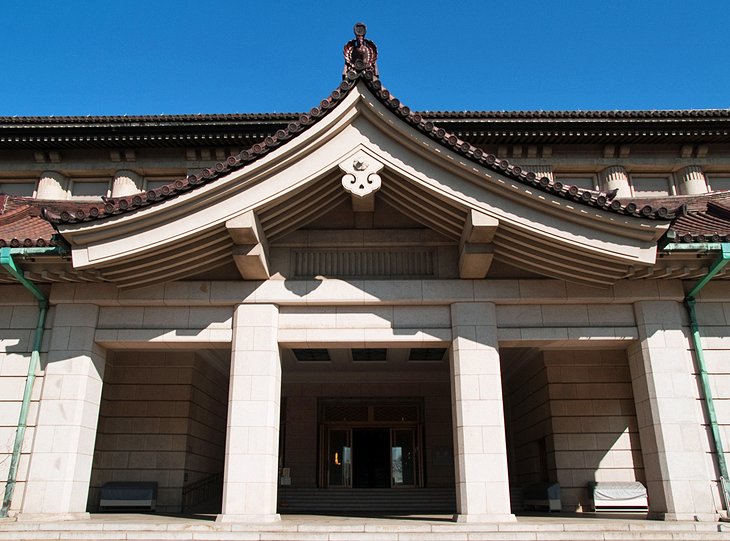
(416, 120)
(22, 223)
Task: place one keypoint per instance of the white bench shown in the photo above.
(630, 496)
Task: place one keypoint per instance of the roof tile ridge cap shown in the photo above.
(50, 216)
(120, 205)
(578, 113)
(185, 117)
(586, 197)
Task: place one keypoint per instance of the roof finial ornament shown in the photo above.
(360, 53)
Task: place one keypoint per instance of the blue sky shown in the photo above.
(130, 57)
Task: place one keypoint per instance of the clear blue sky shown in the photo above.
(214, 56)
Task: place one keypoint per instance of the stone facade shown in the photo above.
(365, 311)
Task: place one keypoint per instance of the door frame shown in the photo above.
(325, 426)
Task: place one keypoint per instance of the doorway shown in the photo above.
(371, 458)
(370, 445)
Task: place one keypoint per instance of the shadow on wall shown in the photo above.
(162, 419)
(570, 419)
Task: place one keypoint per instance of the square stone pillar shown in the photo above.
(251, 473)
(482, 485)
(63, 446)
(669, 416)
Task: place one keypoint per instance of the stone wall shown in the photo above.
(595, 435)
(529, 430)
(571, 419)
(162, 419)
(714, 321)
(17, 327)
(207, 422)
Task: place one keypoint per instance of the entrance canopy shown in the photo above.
(361, 147)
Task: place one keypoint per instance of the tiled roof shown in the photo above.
(202, 118)
(704, 218)
(478, 127)
(22, 223)
(656, 114)
(25, 221)
(69, 121)
(416, 120)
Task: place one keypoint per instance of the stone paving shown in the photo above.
(131, 527)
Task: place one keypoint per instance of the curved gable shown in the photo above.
(487, 206)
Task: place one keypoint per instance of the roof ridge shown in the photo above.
(465, 113)
(360, 65)
(600, 200)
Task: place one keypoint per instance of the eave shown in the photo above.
(564, 234)
(476, 127)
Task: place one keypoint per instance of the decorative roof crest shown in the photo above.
(360, 53)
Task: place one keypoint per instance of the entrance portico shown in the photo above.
(482, 487)
(379, 308)
(584, 405)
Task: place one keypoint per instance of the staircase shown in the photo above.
(203, 496)
(367, 501)
(328, 528)
(516, 499)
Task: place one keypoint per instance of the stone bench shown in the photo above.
(128, 494)
(543, 495)
(630, 496)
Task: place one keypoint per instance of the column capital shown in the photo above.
(473, 313)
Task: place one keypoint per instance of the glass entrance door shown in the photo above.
(403, 457)
(339, 457)
(372, 457)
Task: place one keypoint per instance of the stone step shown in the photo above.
(364, 501)
(346, 529)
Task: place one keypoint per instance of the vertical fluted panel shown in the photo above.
(418, 262)
(52, 185)
(616, 177)
(126, 183)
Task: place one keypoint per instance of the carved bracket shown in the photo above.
(476, 250)
(250, 248)
(361, 174)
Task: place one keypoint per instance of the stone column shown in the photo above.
(126, 183)
(52, 185)
(616, 177)
(63, 446)
(251, 471)
(482, 485)
(668, 415)
(691, 180)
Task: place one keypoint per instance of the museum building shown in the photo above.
(365, 308)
